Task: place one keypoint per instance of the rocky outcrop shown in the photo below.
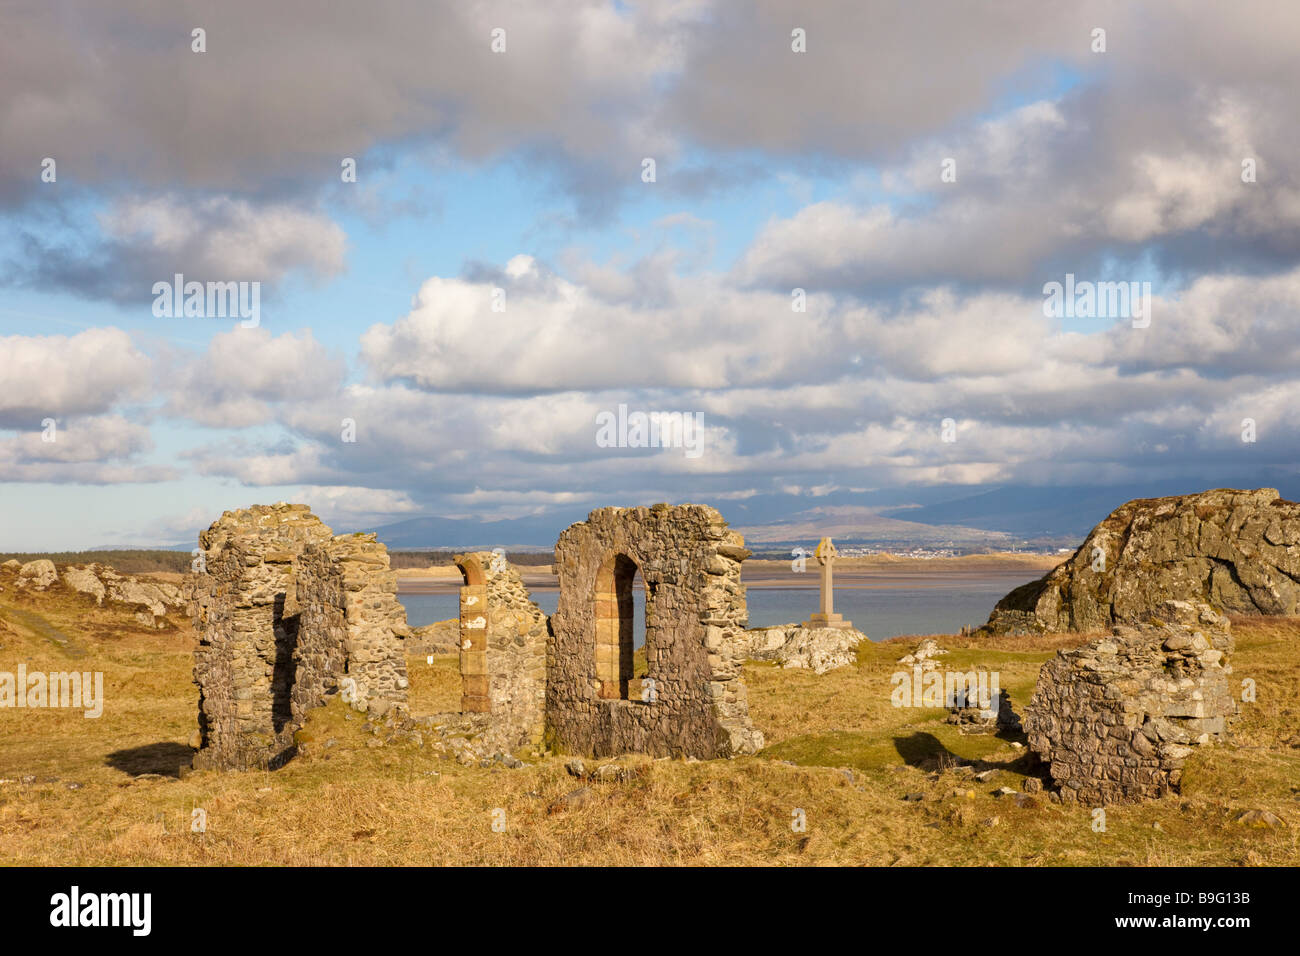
(1238, 551)
(85, 581)
(37, 575)
(150, 599)
(818, 649)
(1115, 720)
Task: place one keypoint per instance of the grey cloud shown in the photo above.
(141, 241)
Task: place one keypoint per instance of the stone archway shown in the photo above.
(502, 651)
(695, 643)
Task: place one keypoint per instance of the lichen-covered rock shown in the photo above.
(1236, 550)
(154, 597)
(151, 599)
(818, 649)
(37, 575)
(1116, 719)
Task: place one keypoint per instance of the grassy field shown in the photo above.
(111, 791)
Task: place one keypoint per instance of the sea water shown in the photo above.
(879, 612)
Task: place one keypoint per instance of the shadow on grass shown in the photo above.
(165, 759)
(928, 752)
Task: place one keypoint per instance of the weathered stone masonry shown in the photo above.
(502, 651)
(695, 642)
(284, 612)
(1116, 719)
(352, 626)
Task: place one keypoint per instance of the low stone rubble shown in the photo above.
(971, 716)
(924, 655)
(442, 637)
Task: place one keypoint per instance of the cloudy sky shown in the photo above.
(501, 272)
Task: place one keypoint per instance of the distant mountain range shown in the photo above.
(856, 525)
(962, 518)
(534, 532)
(965, 518)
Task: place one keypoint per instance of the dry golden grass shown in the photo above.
(347, 802)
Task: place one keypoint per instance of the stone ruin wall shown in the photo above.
(289, 614)
(1116, 719)
(695, 637)
(352, 626)
(284, 609)
(503, 638)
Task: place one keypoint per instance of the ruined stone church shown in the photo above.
(289, 614)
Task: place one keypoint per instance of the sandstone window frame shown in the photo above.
(475, 692)
(615, 616)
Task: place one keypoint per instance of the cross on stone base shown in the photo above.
(827, 617)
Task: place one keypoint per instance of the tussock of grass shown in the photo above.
(348, 802)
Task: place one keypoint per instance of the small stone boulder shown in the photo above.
(971, 716)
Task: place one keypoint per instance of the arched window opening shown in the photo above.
(615, 630)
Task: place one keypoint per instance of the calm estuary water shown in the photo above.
(879, 612)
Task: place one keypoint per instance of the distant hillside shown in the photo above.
(864, 526)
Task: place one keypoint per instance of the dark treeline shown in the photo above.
(127, 562)
(146, 562)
